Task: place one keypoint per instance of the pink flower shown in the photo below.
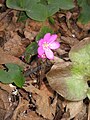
(46, 45)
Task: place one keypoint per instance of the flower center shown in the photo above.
(45, 45)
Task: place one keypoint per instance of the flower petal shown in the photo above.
(42, 56)
(52, 38)
(54, 45)
(40, 51)
(40, 42)
(49, 54)
(47, 37)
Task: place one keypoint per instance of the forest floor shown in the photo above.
(37, 100)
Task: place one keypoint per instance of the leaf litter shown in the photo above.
(37, 100)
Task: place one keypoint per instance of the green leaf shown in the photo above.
(34, 9)
(76, 87)
(52, 9)
(5, 77)
(62, 4)
(22, 5)
(54, 5)
(17, 4)
(38, 12)
(88, 93)
(80, 56)
(43, 31)
(85, 11)
(14, 74)
(31, 50)
(44, 2)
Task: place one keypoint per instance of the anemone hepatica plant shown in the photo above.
(40, 10)
(46, 45)
(71, 80)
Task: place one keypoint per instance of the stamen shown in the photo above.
(45, 45)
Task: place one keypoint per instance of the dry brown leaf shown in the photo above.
(31, 29)
(56, 76)
(6, 106)
(47, 90)
(89, 112)
(4, 103)
(7, 87)
(44, 108)
(14, 45)
(82, 115)
(20, 110)
(70, 40)
(30, 116)
(74, 108)
(7, 58)
(2, 38)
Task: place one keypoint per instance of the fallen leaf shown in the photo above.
(6, 107)
(70, 40)
(7, 88)
(82, 115)
(89, 112)
(14, 45)
(44, 108)
(30, 116)
(74, 108)
(7, 58)
(4, 103)
(20, 110)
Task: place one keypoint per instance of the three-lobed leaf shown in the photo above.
(70, 80)
(40, 9)
(13, 75)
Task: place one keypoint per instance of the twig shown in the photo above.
(31, 71)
